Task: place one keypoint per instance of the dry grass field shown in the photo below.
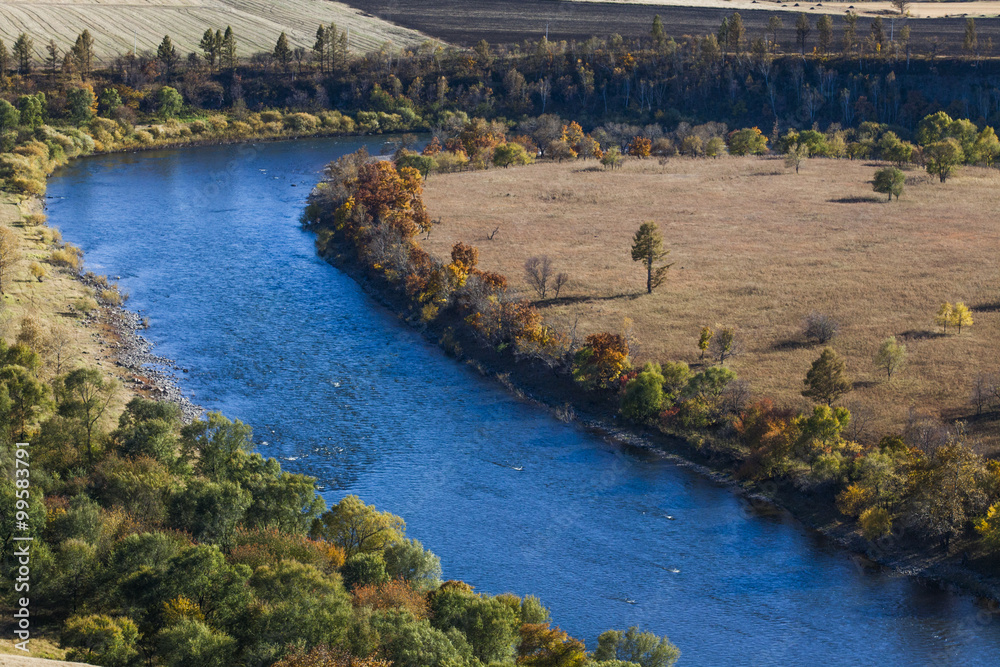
(256, 23)
(757, 247)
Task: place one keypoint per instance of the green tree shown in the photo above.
(509, 154)
(748, 141)
(4, 59)
(101, 640)
(148, 428)
(802, 29)
(32, 109)
(827, 379)
(943, 158)
(824, 28)
(365, 569)
(889, 181)
(657, 33)
(970, 43)
(320, 47)
(80, 102)
(22, 399)
(83, 53)
(796, 155)
(110, 101)
(632, 645)
(356, 527)
(283, 52)
(87, 395)
(613, 158)
(166, 54)
(736, 36)
(643, 397)
(210, 511)
(227, 49)
(933, 127)
(647, 247)
(774, 24)
(169, 102)
(409, 560)
(890, 356)
(704, 340)
(192, 643)
(23, 50)
(211, 47)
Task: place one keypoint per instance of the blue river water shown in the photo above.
(207, 242)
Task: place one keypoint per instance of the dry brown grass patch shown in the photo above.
(757, 247)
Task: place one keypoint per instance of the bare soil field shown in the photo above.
(466, 22)
(256, 23)
(757, 247)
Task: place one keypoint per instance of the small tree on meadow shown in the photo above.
(613, 158)
(889, 181)
(890, 357)
(538, 271)
(943, 158)
(647, 247)
(827, 379)
(704, 340)
(796, 155)
(943, 316)
(726, 344)
(961, 316)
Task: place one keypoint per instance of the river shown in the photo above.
(207, 242)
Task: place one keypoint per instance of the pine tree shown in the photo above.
(22, 53)
(54, 59)
(4, 59)
(167, 55)
(824, 28)
(83, 52)
(971, 42)
(320, 47)
(209, 48)
(282, 52)
(647, 247)
(802, 30)
(227, 49)
(657, 33)
(827, 380)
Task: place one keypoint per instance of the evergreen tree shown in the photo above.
(282, 52)
(657, 33)
(647, 247)
(22, 53)
(227, 49)
(824, 27)
(827, 380)
(167, 55)
(802, 29)
(83, 53)
(320, 48)
(54, 59)
(4, 59)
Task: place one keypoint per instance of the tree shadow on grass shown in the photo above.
(867, 199)
(991, 307)
(571, 300)
(791, 344)
(920, 334)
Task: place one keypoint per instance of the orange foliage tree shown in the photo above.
(396, 594)
(393, 197)
(640, 147)
(324, 656)
(542, 646)
(603, 358)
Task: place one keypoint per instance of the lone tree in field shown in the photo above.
(961, 316)
(889, 181)
(900, 5)
(10, 254)
(704, 340)
(890, 357)
(796, 155)
(943, 158)
(647, 247)
(538, 271)
(726, 344)
(827, 380)
(944, 315)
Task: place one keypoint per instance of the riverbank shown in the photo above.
(541, 382)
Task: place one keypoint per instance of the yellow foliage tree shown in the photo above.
(944, 315)
(961, 316)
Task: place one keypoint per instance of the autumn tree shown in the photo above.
(10, 254)
(827, 379)
(961, 316)
(704, 339)
(774, 24)
(890, 356)
(944, 315)
(796, 155)
(889, 181)
(392, 197)
(509, 154)
(543, 646)
(612, 158)
(604, 357)
(647, 247)
(358, 528)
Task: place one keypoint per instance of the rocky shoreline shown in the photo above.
(149, 375)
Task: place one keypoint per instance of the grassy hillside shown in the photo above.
(757, 247)
(257, 23)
